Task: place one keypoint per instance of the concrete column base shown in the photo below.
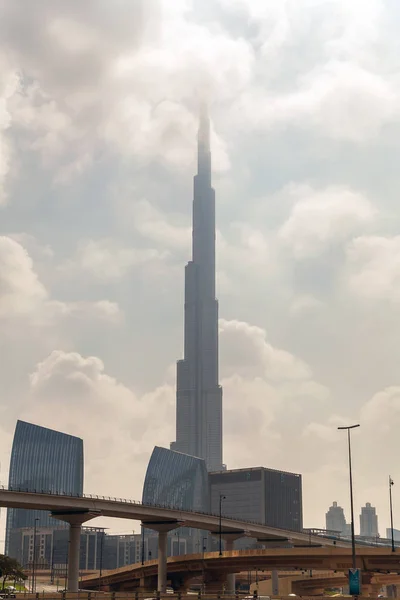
(214, 583)
(75, 520)
(73, 556)
(162, 527)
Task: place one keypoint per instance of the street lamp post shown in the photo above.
(205, 540)
(391, 483)
(353, 572)
(353, 539)
(101, 558)
(178, 535)
(221, 497)
(142, 543)
(34, 555)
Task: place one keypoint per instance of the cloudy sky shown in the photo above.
(98, 111)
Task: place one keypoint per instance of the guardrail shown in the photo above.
(98, 595)
(145, 504)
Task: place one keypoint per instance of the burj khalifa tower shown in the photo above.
(198, 394)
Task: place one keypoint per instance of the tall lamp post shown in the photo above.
(391, 483)
(178, 535)
(34, 555)
(353, 540)
(221, 497)
(101, 558)
(142, 543)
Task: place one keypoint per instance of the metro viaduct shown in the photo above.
(215, 568)
(77, 510)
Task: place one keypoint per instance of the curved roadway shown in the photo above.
(288, 559)
(96, 506)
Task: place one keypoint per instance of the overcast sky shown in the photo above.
(98, 118)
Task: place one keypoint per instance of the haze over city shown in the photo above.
(98, 120)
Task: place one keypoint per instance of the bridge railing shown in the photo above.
(137, 503)
(327, 535)
(99, 595)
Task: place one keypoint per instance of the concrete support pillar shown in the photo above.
(73, 556)
(231, 577)
(75, 520)
(275, 582)
(162, 562)
(229, 538)
(229, 544)
(162, 528)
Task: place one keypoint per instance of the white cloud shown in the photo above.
(70, 391)
(382, 411)
(339, 100)
(262, 387)
(20, 290)
(303, 304)
(151, 223)
(374, 267)
(352, 103)
(9, 84)
(101, 309)
(247, 351)
(108, 260)
(320, 218)
(23, 295)
(115, 91)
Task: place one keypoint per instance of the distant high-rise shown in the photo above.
(199, 395)
(42, 460)
(368, 521)
(396, 534)
(258, 494)
(335, 519)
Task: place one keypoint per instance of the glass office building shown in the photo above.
(42, 460)
(258, 494)
(176, 480)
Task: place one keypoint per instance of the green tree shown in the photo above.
(10, 569)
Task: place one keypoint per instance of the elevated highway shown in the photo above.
(96, 506)
(76, 510)
(214, 568)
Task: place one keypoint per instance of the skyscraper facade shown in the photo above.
(258, 494)
(368, 521)
(335, 519)
(176, 480)
(199, 395)
(42, 460)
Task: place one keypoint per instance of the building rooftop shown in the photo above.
(254, 469)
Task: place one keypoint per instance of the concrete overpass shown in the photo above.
(315, 583)
(215, 568)
(76, 510)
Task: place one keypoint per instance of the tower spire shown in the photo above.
(203, 144)
(204, 127)
(198, 393)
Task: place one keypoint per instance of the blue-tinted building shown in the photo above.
(42, 460)
(176, 480)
